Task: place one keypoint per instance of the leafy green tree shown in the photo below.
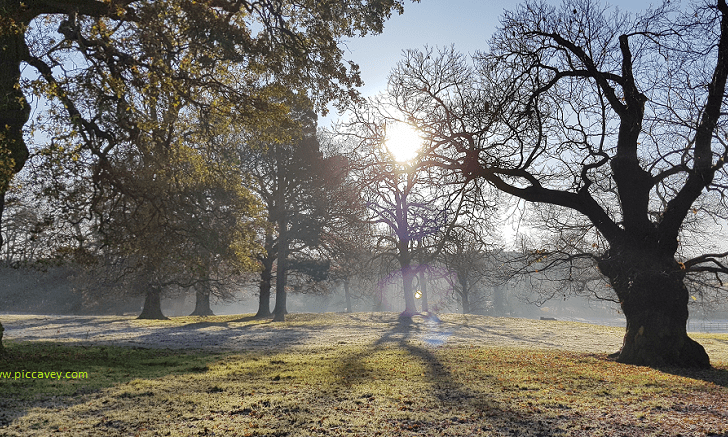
(98, 41)
(291, 180)
(295, 42)
(175, 223)
(619, 118)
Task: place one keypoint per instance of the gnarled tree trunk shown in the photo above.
(14, 108)
(654, 300)
(153, 305)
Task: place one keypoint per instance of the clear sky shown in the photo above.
(468, 24)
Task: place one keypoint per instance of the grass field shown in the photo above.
(391, 387)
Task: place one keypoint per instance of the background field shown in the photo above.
(353, 375)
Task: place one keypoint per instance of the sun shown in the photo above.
(403, 142)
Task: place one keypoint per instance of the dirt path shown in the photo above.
(316, 330)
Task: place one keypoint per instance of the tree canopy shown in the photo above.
(107, 73)
(225, 47)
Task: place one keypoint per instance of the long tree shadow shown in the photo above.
(227, 323)
(104, 367)
(487, 414)
(717, 376)
(246, 333)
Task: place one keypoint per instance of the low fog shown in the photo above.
(56, 291)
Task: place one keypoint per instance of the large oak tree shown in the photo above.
(620, 118)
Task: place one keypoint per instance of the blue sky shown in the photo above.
(468, 24)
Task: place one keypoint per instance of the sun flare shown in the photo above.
(403, 142)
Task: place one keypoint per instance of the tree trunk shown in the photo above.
(423, 290)
(264, 298)
(466, 302)
(654, 300)
(499, 297)
(153, 305)
(264, 290)
(14, 108)
(202, 302)
(464, 291)
(347, 295)
(409, 296)
(2, 203)
(279, 311)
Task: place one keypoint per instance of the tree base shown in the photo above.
(408, 314)
(651, 289)
(202, 313)
(279, 317)
(148, 317)
(2, 348)
(262, 315)
(683, 352)
(202, 305)
(152, 307)
(145, 316)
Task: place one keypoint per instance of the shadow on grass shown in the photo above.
(499, 333)
(91, 368)
(244, 333)
(477, 412)
(715, 375)
(226, 324)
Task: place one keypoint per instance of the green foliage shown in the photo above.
(124, 72)
(179, 220)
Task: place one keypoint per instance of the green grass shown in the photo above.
(106, 366)
(389, 389)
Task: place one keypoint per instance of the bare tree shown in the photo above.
(616, 117)
(410, 207)
(471, 266)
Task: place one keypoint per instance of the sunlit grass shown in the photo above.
(391, 388)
